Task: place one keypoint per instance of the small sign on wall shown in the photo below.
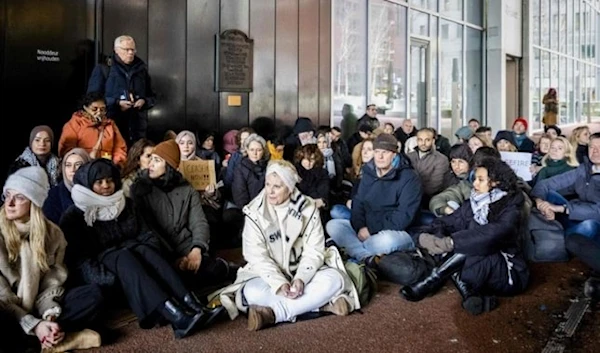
(234, 61)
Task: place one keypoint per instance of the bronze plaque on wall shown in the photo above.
(235, 60)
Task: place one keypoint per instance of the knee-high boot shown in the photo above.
(435, 280)
(472, 302)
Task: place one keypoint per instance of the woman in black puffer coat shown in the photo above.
(478, 244)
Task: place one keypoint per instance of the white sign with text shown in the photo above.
(519, 162)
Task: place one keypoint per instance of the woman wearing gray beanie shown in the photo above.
(32, 273)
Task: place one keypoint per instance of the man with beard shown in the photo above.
(430, 164)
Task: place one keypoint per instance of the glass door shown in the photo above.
(420, 82)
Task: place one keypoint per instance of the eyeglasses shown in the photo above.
(18, 198)
(132, 50)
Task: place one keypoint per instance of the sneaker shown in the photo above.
(260, 317)
(339, 307)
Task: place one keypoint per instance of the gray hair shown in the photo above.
(259, 139)
(123, 38)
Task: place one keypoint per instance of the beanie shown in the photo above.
(386, 142)
(522, 121)
(229, 141)
(169, 151)
(464, 133)
(32, 182)
(38, 129)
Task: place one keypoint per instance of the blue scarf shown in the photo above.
(519, 139)
(480, 204)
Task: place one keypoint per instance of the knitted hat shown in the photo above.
(522, 121)
(386, 142)
(504, 135)
(461, 151)
(169, 151)
(41, 128)
(286, 171)
(32, 182)
(464, 133)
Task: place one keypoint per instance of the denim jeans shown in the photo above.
(589, 228)
(384, 242)
(340, 212)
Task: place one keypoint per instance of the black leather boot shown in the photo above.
(208, 314)
(472, 302)
(435, 280)
(182, 321)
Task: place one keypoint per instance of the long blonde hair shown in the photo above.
(37, 236)
(357, 161)
(574, 138)
(570, 157)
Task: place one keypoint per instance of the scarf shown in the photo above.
(329, 162)
(97, 207)
(51, 165)
(519, 139)
(480, 204)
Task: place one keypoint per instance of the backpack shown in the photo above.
(544, 240)
(364, 279)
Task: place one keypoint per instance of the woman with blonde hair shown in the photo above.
(580, 137)
(289, 271)
(32, 272)
(479, 139)
(560, 159)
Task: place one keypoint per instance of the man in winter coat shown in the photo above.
(127, 88)
(386, 203)
(430, 164)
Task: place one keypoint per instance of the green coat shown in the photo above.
(553, 168)
(457, 193)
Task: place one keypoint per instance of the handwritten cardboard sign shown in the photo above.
(519, 162)
(199, 173)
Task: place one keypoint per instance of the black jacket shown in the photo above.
(248, 181)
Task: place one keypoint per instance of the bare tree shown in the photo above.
(346, 19)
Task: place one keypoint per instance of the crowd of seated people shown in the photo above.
(100, 224)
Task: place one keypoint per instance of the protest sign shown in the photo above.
(199, 173)
(519, 162)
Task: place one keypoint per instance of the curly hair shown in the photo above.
(309, 151)
(500, 173)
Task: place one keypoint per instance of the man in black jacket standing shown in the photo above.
(127, 87)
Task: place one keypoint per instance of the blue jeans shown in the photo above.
(340, 212)
(589, 228)
(384, 242)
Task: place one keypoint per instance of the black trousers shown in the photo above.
(146, 278)
(490, 275)
(586, 249)
(80, 308)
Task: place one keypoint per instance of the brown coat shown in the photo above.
(81, 132)
(431, 169)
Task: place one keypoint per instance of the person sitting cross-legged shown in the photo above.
(386, 203)
(289, 271)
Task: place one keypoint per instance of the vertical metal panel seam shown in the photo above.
(275, 64)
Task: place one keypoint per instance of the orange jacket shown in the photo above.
(81, 132)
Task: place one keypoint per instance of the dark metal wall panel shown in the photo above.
(325, 66)
(286, 61)
(234, 15)
(167, 64)
(126, 17)
(202, 102)
(308, 59)
(44, 58)
(262, 30)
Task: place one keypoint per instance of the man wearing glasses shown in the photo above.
(127, 88)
